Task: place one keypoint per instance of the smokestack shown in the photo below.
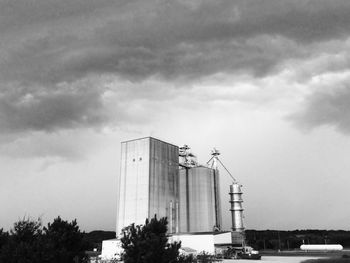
(236, 207)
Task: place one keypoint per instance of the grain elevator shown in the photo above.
(159, 178)
(148, 182)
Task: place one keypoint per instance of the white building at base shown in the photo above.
(210, 242)
(111, 249)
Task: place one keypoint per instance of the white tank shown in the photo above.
(322, 247)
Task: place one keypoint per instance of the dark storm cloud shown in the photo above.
(18, 13)
(329, 107)
(165, 38)
(171, 40)
(38, 109)
(47, 44)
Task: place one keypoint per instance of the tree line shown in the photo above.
(29, 241)
(287, 240)
(63, 242)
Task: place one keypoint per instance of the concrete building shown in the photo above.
(151, 181)
(148, 182)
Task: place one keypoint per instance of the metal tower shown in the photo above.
(235, 201)
(236, 207)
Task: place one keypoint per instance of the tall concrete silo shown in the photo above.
(148, 182)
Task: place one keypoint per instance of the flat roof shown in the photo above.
(149, 137)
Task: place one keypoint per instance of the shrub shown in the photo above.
(148, 243)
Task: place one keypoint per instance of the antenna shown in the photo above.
(215, 159)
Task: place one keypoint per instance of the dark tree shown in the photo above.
(24, 245)
(4, 237)
(148, 243)
(64, 241)
(94, 238)
(28, 242)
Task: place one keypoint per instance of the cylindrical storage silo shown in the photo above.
(236, 207)
(199, 200)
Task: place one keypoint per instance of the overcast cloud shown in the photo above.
(329, 107)
(51, 48)
(248, 76)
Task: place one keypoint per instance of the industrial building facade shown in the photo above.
(147, 183)
(151, 182)
(159, 178)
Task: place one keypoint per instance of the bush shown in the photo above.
(186, 259)
(205, 257)
(148, 243)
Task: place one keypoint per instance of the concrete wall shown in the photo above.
(133, 183)
(202, 242)
(111, 249)
(199, 243)
(147, 182)
(163, 178)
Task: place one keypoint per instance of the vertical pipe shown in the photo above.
(187, 201)
(171, 217)
(218, 199)
(217, 224)
(177, 217)
(177, 191)
(150, 181)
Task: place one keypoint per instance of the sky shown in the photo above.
(266, 82)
